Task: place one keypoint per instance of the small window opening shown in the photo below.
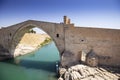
(10, 34)
(57, 35)
(82, 40)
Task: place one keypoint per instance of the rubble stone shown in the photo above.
(83, 72)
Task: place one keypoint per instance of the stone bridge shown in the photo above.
(94, 46)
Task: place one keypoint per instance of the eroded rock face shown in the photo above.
(92, 59)
(83, 72)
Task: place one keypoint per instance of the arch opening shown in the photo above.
(26, 31)
(47, 63)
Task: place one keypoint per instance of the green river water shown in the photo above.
(39, 65)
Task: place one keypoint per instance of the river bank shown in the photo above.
(31, 42)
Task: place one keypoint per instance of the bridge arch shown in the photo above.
(49, 28)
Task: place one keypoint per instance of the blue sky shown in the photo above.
(84, 13)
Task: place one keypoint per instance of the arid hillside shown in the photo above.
(32, 39)
(29, 43)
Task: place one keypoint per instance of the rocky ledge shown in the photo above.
(84, 72)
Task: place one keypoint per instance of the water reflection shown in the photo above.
(44, 65)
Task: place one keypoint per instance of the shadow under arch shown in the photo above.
(20, 33)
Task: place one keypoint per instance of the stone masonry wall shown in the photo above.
(105, 43)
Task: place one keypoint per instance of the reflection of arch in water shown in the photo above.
(50, 29)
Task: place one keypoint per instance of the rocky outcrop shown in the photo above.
(92, 59)
(83, 72)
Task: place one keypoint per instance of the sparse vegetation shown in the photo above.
(46, 41)
(31, 31)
